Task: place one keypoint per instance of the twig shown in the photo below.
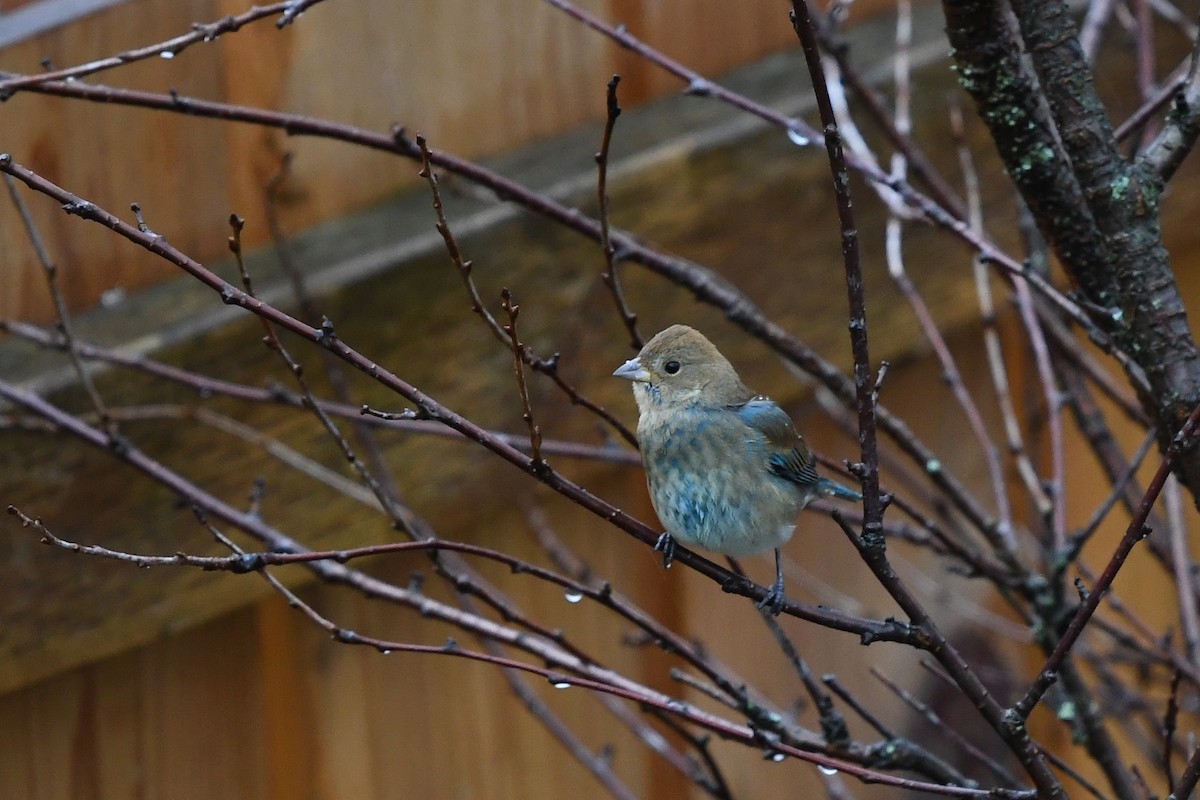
(1080, 538)
(1184, 568)
(864, 387)
(952, 376)
(1175, 16)
(854, 143)
(1133, 534)
(295, 8)
(609, 274)
(1144, 36)
(65, 327)
(599, 764)
(295, 460)
(696, 83)
(244, 562)
(1149, 649)
(402, 517)
(1168, 729)
(1169, 91)
(201, 32)
(1092, 27)
(897, 751)
(731, 691)
(1090, 420)
(249, 561)
(1057, 519)
(1187, 780)
(867, 715)
(1178, 136)
(897, 134)
(991, 337)
(869, 630)
(546, 366)
(339, 383)
(1065, 344)
(711, 778)
(1074, 775)
(933, 719)
(1049, 755)
(208, 387)
(833, 724)
(727, 685)
(537, 463)
(798, 130)
(667, 641)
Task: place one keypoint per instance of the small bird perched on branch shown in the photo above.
(726, 469)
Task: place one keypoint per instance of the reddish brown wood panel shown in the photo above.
(476, 78)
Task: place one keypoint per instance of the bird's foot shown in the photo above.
(666, 545)
(774, 600)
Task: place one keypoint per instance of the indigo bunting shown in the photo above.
(726, 469)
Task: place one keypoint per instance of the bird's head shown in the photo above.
(679, 367)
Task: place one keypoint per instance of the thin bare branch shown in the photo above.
(168, 49)
(50, 271)
(546, 366)
(1133, 534)
(1178, 135)
(609, 274)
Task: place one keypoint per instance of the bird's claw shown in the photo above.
(774, 599)
(666, 545)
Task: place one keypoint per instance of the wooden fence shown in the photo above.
(471, 76)
(126, 684)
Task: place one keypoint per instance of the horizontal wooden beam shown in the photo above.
(40, 16)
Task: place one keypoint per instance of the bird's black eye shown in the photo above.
(671, 367)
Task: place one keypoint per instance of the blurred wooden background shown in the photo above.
(126, 684)
(475, 78)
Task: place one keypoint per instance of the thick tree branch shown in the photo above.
(987, 53)
(1098, 211)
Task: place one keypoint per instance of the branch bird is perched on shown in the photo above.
(726, 469)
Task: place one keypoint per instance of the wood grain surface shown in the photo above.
(123, 683)
(476, 78)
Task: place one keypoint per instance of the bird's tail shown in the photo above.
(830, 489)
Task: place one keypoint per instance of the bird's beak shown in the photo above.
(633, 370)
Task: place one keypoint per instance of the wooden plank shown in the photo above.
(175, 720)
(155, 161)
(407, 63)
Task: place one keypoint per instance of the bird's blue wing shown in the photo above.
(787, 455)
